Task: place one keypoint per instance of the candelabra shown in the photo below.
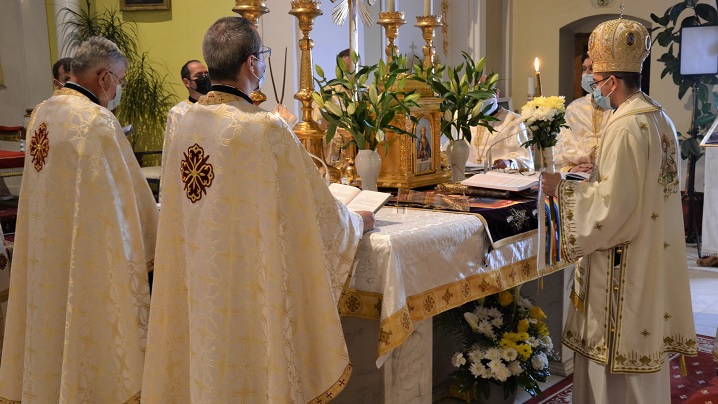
(391, 21)
(252, 10)
(428, 24)
(308, 131)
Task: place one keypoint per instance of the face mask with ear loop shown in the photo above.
(113, 103)
(261, 79)
(603, 101)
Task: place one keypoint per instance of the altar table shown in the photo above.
(418, 263)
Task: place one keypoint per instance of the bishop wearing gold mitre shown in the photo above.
(84, 242)
(252, 250)
(624, 228)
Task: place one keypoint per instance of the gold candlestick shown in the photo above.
(428, 23)
(391, 21)
(308, 131)
(252, 10)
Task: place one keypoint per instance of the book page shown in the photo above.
(504, 181)
(344, 193)
(369, 200)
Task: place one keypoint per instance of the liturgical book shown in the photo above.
(503, 181)
(356, 199)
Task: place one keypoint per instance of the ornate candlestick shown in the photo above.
(308, 131)
(252, 10)
(428, 23)
(391, 21)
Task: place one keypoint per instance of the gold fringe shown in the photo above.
(684, 369)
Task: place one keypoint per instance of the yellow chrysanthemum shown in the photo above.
(523, 325)
(524, 351)
(541, 329)
(506, 298)
(537, 313)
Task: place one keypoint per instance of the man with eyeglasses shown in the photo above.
(624, 228)
(253, 250)
(84, 243)
(195, 78)
(577, 145)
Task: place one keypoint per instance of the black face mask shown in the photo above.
(203, 84)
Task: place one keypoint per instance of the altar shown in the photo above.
(416, 264)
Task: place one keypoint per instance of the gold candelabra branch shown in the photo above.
(308, 131)
(428, 23)
(391, 21)
(252, 10)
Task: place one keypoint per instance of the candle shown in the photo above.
(428, 7)
(532, 87)
(538, 77)
(390, 5)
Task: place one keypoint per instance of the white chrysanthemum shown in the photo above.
(524, 302)
(515, 368)
(510, 354)
(458, 359)
(481, 312)
(476, 355)
(477, 369)
(497, 322)
(486, 329)
(539, 361)
(532, 321)
(500, 371)
(533, 342)
(493, 354)
(494, 312)
(546, 342)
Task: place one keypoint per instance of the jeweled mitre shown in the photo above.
(619, 45)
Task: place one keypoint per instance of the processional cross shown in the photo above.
(352, 9)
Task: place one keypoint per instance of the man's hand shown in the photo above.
(582, 168)
(549, 183)
(368, 218)
(501, 163)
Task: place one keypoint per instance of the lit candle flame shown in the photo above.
(536, 64)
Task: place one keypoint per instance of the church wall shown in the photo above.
(535, 33)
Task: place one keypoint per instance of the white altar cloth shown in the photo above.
(419, 263)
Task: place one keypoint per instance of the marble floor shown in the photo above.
(704, 294)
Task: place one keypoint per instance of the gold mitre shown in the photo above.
(619, 45)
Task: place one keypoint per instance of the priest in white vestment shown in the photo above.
(84, 242)
(503, 146)
(631, 297)
(253, 250)
(577, 145)
(195, 78)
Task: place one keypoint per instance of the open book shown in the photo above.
(356, 199)
(504, 181)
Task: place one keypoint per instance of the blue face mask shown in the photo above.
(603, 101)
(586, 81)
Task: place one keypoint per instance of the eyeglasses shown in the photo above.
(200, 76)
(122, 81)
(595, 83)
(265, 50)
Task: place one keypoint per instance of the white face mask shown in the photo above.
(113, 103)
(493, 104)
(261, 79)
(586, 81)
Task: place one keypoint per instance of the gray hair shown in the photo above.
(228, 43)
(97, 52)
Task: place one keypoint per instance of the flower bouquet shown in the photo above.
(544, 118)
(505, 342)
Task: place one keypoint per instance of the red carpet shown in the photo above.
(700, 386)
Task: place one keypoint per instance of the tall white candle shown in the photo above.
(428, 7)
(390, 5)
(532, 87)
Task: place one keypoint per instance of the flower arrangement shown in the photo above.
(505, 341)
(365, 110)
(462, 97)
(544, 118)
